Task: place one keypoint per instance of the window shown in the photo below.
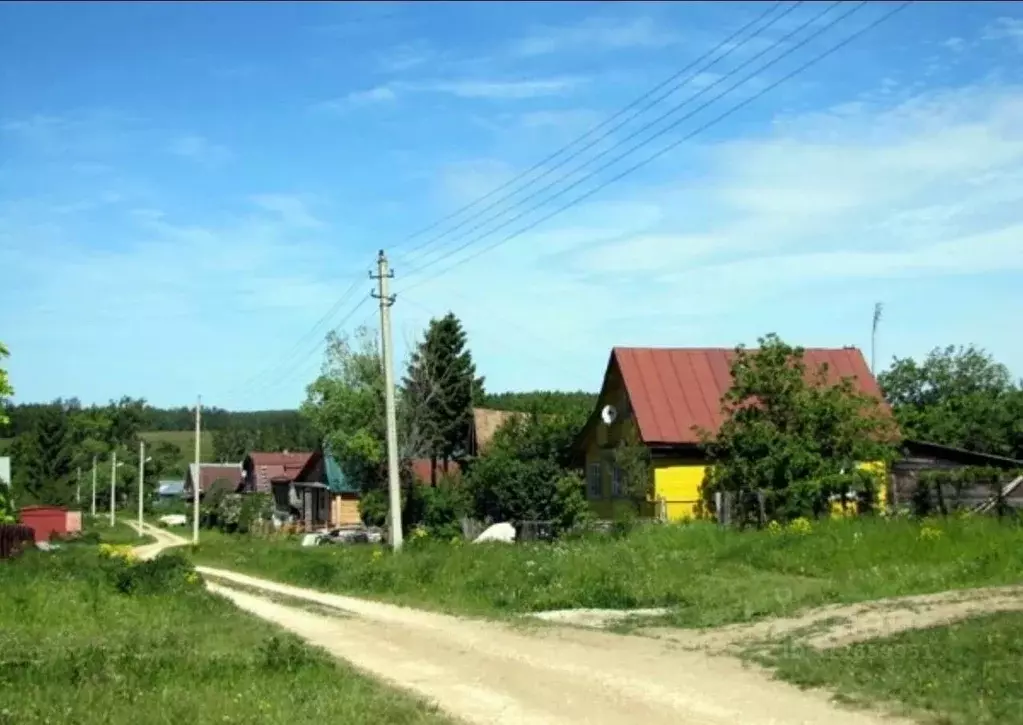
(593, 487)
(617, 482)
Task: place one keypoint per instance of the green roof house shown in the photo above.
(327, 497)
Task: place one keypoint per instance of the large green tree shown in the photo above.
(792, 435)
(440, 388)
(958, 396)
(44, 460)
(345, 406)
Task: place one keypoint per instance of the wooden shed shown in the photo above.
(920, 456)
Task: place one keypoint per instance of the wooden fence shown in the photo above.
(14, 538)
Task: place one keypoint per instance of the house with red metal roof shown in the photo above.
(662, 398)
(207, 474)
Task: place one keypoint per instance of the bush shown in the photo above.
(373, 507)
(169, 572)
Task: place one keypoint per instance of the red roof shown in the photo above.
(209, 473)
(675, 391)
(277, 466)
(421, 469)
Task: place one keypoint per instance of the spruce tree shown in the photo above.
(442, 383)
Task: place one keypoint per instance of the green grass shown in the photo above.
(185, 442)
(76, 649)
(119, 533)
(963, 674)
(707, 575)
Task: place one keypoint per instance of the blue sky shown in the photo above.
(186, 189)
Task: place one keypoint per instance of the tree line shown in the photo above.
(785, 431)
(21, 417)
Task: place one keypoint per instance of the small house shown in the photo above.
(207, 474)
(262, 470)
(661, 398)
(325, 497)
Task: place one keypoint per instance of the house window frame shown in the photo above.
(594, 480)
(617, 481)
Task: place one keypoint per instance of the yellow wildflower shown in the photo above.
(800, 526)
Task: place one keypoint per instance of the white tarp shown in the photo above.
(503, 532)
(5, 470)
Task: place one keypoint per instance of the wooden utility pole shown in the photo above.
(383, 277)
(197, 475)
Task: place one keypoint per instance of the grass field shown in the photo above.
(962, 674)
(119, 533)
(95, 641)
(706, 575)
(185, 442)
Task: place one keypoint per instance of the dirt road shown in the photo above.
(487, 672)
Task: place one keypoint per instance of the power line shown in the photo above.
(288, 356)
(544, 359)
(648, 126)
(290, 372)
(538, 165)
(669, 147)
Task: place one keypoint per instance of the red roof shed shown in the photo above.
(44, 520)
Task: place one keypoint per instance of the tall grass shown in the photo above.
(87, 640)
(706, 574)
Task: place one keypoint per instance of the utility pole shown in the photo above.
(197, 477)
(878, 307)
(142, 479)
(383, 277)
(113, 485)
(94, 485)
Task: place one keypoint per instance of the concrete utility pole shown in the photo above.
(94, 485)
(113, 485)
(383, 277)
(142, 479)
(197, 478)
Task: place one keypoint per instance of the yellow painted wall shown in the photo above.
(678, 484)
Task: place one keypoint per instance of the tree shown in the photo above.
(6, 390)
(957, 397)
(791, 435)
(44, 459)
(527, 473)
(441, 384)
(345, 406)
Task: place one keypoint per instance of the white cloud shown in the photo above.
(594, 35)
(824, 201)
(200, 150)
(499, 89)
(380, 94)
(1010, 29)
(292, 210)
